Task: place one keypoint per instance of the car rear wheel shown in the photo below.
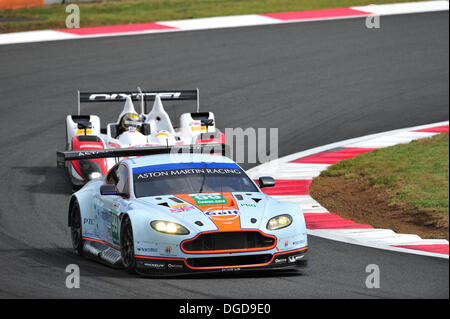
(127, 246)
(75, 229)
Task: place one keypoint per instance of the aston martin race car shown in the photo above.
(133, 129)
(172, 212)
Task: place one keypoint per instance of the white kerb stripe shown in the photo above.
(35, 36)
(403, 8)
(220, 22)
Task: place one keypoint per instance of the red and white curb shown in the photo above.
(294, 174)
(224, 22)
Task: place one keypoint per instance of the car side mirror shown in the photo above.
(266, 181)
(109, 189)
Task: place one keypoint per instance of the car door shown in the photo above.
(115, 205)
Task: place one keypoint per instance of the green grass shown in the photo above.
(413, 174)
(139, 11)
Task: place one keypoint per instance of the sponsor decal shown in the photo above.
(182, 169)
(293, 259)
(223, 171)
(115, 205)
(155, 265)
(280, 260)
(122, 96)
(174, 266)
(248, 205)
(146, 249)
(181, 208)
(89, 221)
(88, 153)
(231, 269)
(114, 227)
(209, 199)
(225, 214)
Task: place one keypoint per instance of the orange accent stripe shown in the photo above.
(247, 266)
(222, 222)
(227, 267)
(17, 4)
(102, 242)
(163, 258)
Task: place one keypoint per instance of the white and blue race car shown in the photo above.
(175, 213)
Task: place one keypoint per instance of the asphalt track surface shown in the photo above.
(317, 82)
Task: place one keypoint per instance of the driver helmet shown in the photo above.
(131, 122)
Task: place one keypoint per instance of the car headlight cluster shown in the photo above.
(169, 227)
(279, 222)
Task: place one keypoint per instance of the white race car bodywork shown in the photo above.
(157, 130)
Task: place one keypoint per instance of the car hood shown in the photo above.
(214, 211)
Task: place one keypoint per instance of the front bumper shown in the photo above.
(177, 266)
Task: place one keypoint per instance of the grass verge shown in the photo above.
(139, 11)
(403, 187)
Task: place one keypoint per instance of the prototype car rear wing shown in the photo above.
(210, 148)
(142, 96)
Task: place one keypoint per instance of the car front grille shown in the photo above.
(229, 242)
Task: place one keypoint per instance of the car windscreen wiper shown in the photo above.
(203, 180)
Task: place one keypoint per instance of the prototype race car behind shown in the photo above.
(142, 128)
(172, 213)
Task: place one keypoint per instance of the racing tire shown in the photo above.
(76, 229)
(127, 246)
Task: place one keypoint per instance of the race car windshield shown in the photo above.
(187, 178)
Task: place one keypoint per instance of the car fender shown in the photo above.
(84, 197)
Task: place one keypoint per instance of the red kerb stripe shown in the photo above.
(330, 221)
(117, 29)
(439, 249)
(437, 129)
(333, 157)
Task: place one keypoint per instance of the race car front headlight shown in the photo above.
(169, 227)
(279, 222)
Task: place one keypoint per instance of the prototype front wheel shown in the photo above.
(75, 229)
(127, 246)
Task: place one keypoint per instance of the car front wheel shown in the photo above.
(127, 246)
(75, 229)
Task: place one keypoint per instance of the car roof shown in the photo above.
(175, 158)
